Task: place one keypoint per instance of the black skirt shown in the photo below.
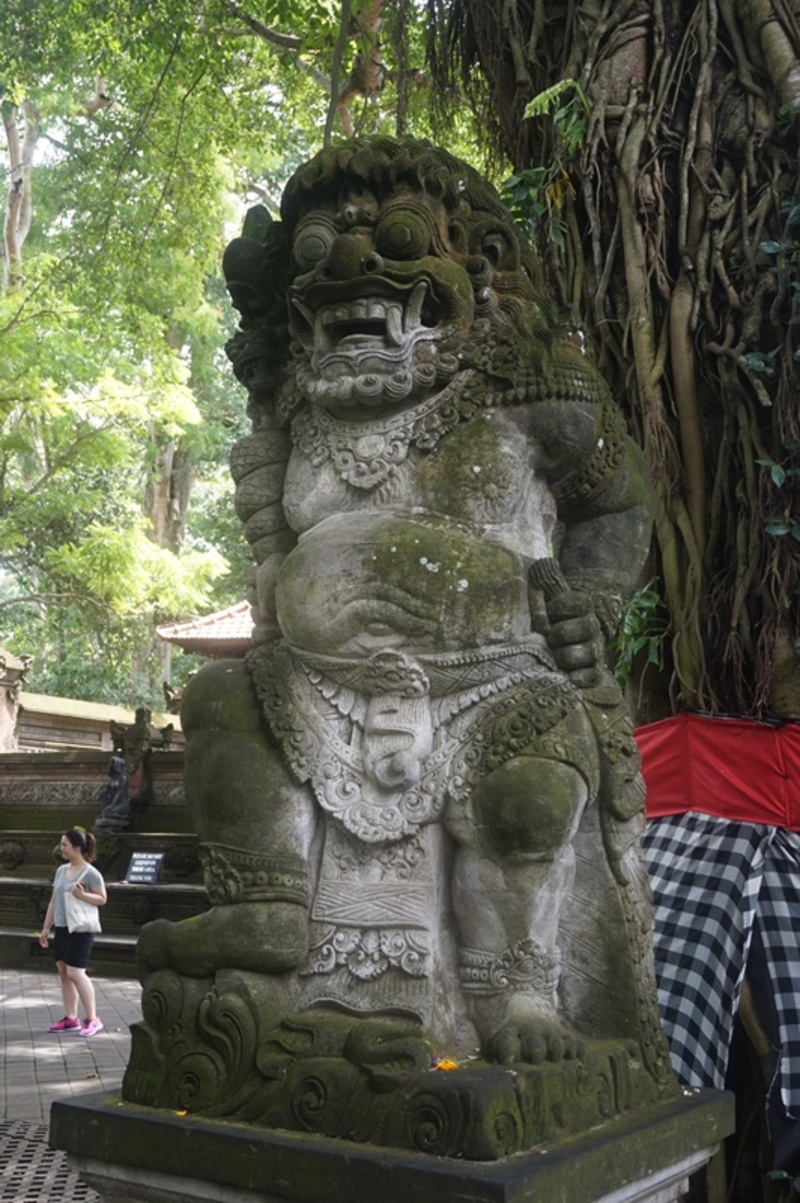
(73, 948)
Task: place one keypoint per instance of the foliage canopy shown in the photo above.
(655, 162)
(136, 132)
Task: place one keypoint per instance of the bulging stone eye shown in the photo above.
(403, 235)
(313, 241)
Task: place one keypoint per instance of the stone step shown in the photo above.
(35, 854)
(23, 902)
(43, 794)
(112, 955)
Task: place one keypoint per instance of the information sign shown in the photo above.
(145, 868)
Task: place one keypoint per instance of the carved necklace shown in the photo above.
(368, 454)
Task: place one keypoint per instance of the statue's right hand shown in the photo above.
(575, 636)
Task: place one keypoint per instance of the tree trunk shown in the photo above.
(675, 201)
(22, 133)
(167, 493)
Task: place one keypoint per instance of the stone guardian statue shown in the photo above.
(419, 799)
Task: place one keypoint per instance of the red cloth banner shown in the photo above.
(733, 768)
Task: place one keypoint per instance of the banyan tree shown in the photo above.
(655, 148)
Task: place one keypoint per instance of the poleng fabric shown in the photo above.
(714, 882)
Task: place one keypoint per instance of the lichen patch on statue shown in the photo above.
(418, 800)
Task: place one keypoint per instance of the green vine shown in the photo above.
(785, 523)
(642, 631)
(536, 195)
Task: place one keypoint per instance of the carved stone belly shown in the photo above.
(357, 583)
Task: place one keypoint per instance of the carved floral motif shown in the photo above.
(12, 854)
(322, 725)
(368, 454)
(368, 953)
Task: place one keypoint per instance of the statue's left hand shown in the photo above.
(575, 636)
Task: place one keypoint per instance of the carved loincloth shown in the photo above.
(461, 714)
(446, 720)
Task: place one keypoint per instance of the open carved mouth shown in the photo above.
(366, 322)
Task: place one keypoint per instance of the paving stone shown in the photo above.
(39, 1067)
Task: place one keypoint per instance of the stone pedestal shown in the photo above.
(131, 1154)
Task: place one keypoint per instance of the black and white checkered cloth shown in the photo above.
(715, 882)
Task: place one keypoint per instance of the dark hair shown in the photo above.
(80, 838)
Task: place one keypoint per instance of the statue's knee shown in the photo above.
(529, 808)
(238, 789)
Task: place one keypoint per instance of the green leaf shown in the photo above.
(778, 474)
(542, 102)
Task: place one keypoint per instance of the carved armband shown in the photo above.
(525, 966)
(235, 875)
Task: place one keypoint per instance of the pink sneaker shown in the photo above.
(92, 1027)
(66, 1025)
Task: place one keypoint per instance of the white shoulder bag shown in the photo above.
(81, 916)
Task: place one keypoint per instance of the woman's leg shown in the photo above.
(82, 985)
(69, 993)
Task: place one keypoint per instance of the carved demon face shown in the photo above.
(382, 299)
(386, 252)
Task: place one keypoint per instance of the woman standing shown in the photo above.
(73, 949)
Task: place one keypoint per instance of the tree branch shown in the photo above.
(282, 41)
(41, 599)
(285, 41)
(368, 74)
(28, 150)
(101, 100)
(336, 104)
(91, 433)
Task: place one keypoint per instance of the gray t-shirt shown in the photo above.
(92, 879)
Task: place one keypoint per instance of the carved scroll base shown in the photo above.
(208, 1051)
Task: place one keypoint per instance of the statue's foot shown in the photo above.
(260, 937)
(534, 1041)
(525, 1029)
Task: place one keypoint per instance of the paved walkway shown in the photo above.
(39, 1066)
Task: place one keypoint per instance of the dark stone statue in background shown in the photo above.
(115, 804)
(135, 742)
(419, 799)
